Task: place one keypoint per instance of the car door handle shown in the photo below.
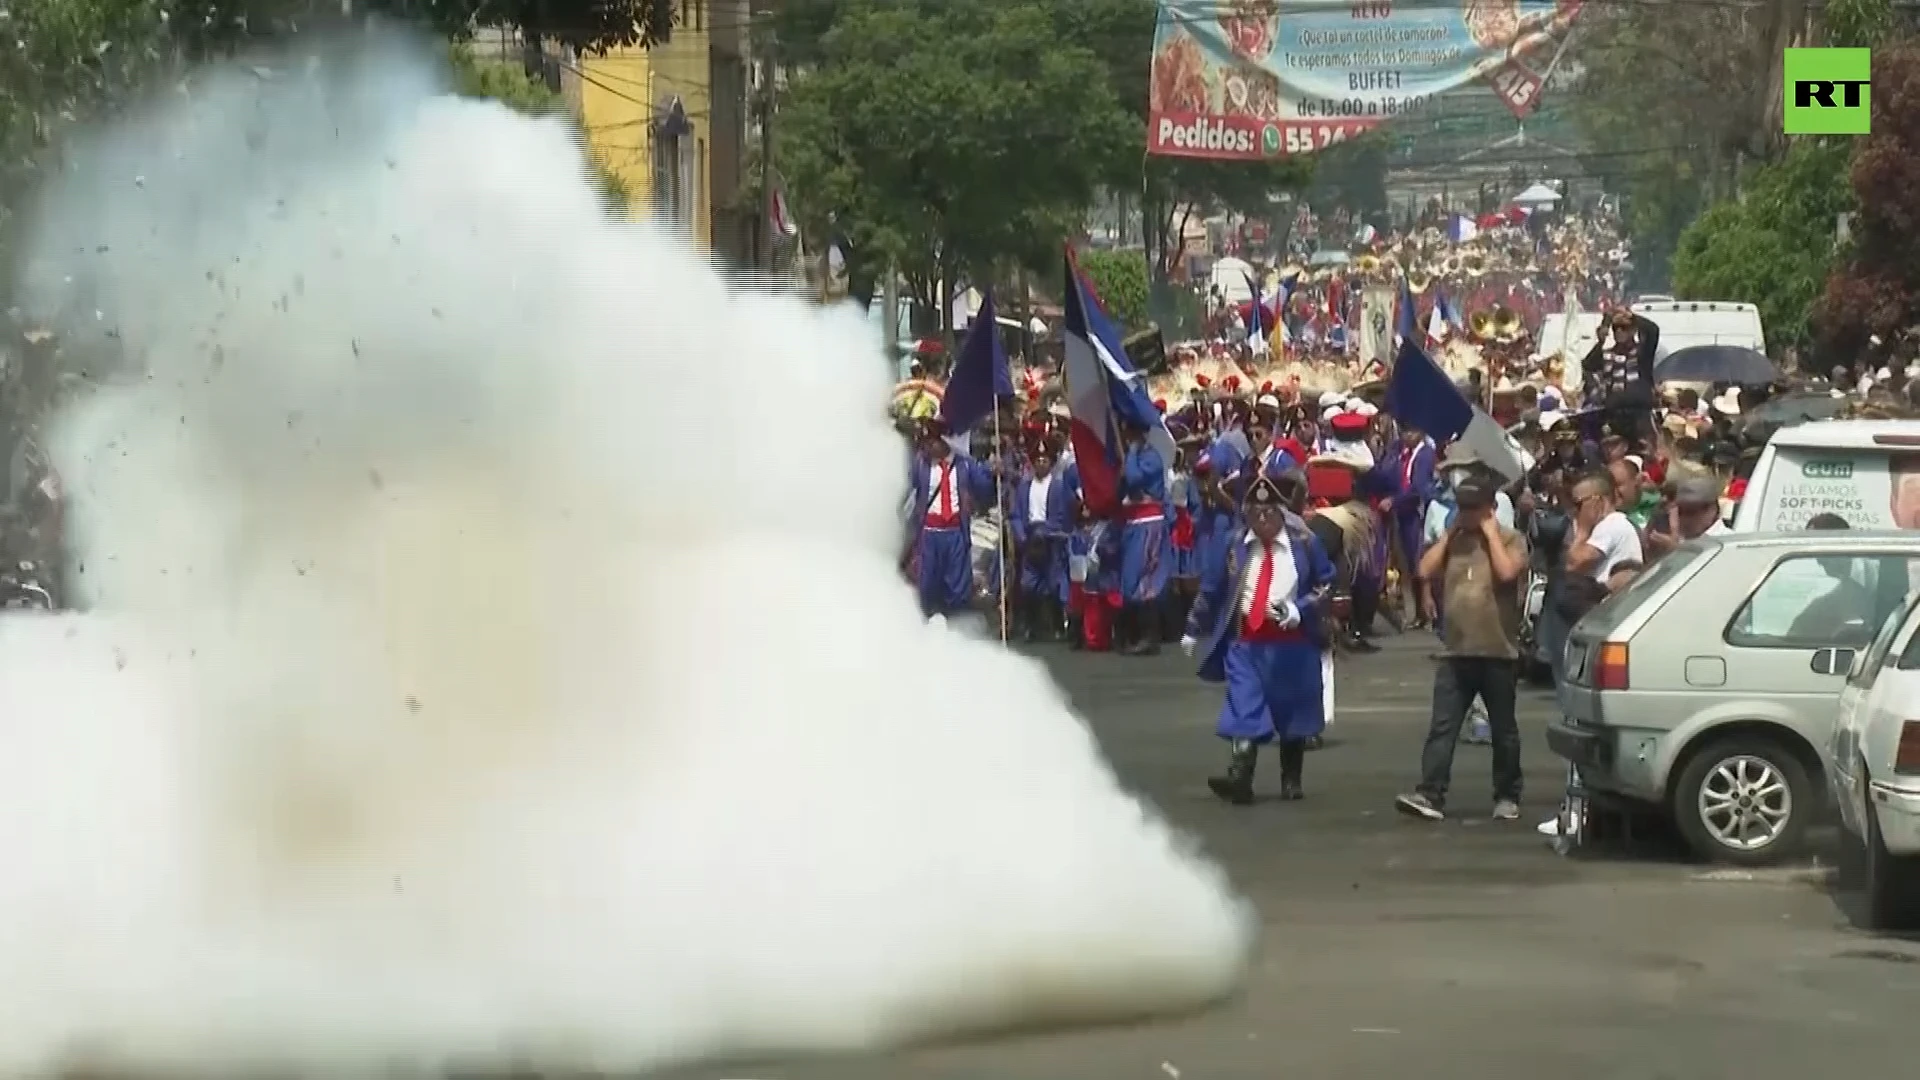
(1831, 661)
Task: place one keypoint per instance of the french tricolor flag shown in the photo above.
(1103, 390)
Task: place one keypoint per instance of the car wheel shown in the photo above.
(1891, 882)
(1744, 800)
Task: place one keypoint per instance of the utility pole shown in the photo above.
(768, 190)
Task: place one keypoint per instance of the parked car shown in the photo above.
(1708, 688)
(1873, 770)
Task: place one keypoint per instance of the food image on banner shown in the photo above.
(1248, 79)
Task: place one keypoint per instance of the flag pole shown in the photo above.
(1000, 502)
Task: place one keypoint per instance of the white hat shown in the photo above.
(1366, 408)
(1267, 401)
(1728, 403)
(1330, 412)
(1332, 397)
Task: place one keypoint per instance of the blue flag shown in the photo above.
(980, 376)
(1420, 395)
(1257, 328)
(1408, 325)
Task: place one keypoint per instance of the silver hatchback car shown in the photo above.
(1708, 688)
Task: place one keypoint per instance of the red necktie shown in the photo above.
(946, 489)
(1262, 585)
(1406, 482)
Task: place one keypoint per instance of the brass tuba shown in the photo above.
(1506, 324)
(1473, 264)
(1480, 324)
(1366, 264)
(1418, 279)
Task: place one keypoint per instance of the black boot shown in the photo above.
(1027, 615)
(1358, 642)
(1236, 786)
(1076, 633)
(1143, 629)
(1293, 760)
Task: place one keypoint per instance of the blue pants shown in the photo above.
(945, 564)
(1049, 579)
(1409, 528)
(1273, 692)
(1143, 560)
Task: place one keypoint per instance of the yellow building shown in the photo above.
(670, 121)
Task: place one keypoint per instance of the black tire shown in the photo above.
(1890, 884)
(1703, 766)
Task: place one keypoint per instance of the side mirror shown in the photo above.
(1859, 662)
(1832, 661)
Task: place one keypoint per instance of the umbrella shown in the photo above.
(1788, 409)
(1715, 364)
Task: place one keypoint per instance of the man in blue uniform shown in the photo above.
(1144, 558)
(1258, 628)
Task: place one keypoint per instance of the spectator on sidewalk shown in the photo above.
(1479, 563)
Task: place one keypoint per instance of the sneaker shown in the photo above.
(1506, 810)
(1418, 805)
(1549, 828)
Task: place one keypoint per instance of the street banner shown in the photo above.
(1250, 79)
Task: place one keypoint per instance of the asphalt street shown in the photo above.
(1463, 949)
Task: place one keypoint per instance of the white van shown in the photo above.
(1703, 322)
(1570, 335)
(1866, 471)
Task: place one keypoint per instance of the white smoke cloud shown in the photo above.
(496, 651)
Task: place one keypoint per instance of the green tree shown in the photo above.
(1120, 277)
(1670, 102)
(1174, 190)
(946, 137)
(1773, 245)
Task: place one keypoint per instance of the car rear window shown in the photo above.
(1866, 488)
(1644, 584)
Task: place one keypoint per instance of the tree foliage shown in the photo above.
(1773, 245)
(1120, 277)
(1671, 101)
(1119, 35)
(946, 137)
(1877, 291)
(1174, 189)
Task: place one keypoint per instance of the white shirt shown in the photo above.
(1037, 498)
(1285, 578)
(943, 503)
(1718, 528)
(1617, 541)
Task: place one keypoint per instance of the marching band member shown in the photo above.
(1406, 474)
(944, 487)
(1142, 527)
(1183, 537)
(1257, 628)
(1040, 520)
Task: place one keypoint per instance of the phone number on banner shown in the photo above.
(1196, 135)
